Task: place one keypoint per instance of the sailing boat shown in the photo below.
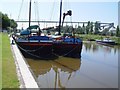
(67, 45)
(32, 43)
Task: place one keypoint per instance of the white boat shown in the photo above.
(106, 41)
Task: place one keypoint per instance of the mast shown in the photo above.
(29, 13)
(59, 28)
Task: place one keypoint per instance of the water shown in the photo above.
(97, 68)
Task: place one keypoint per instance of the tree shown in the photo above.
(13, 24)
(67, 29)
(111, 33)
(79, 30)
(118, 31)
(83, 28)
(96, 28)
(91, 28)
(88, 27)
(7, 22)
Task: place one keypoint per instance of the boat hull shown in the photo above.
(49, 50)
(36, 50)
(106, 43)
(68, 50)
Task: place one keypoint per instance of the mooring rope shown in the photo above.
(65, 53)
(33, 54)
(34, 49)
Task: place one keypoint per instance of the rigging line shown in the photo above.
(71, 21)
(38, 13)
(71, 15)
(35, 10)
(52, 10)
(20, 10)
(68, 6)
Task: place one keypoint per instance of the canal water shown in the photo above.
(97, 68)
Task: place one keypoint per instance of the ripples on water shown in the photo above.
(97, 68)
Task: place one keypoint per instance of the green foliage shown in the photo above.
(67, 29)
(104, 32)
(88, 28)
(118, 31)
(0, 61)
(86, 37)
(111, 33)
(79, 30)
(91, 28)
(13, 24)
(7, 22)
(83, 27)
(96, 28)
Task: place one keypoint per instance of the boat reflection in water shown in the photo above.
(99, 69)
(54, 73)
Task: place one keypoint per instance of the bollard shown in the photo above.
(12, 42)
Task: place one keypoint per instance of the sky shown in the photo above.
(82, 10)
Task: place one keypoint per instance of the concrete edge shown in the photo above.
(21, 73)
(22, 84)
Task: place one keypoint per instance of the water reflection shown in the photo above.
(97, 68)
(94, 47)
(90, 46)
(61, 69)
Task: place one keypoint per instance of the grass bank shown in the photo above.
(86, 37)
(9, 76)
(0, 61)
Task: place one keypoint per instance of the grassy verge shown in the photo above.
(87, 37)
(9, 76)
(0, 61)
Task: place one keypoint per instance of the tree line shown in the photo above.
(91, 28)
(7, 23)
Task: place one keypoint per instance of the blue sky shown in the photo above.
(103, 10)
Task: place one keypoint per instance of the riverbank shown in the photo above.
(9, 76)
(25, 75)
(86, 37)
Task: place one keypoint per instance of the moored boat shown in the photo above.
(106, 41)
(70, 47)
(34, 45)
(68, 44)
